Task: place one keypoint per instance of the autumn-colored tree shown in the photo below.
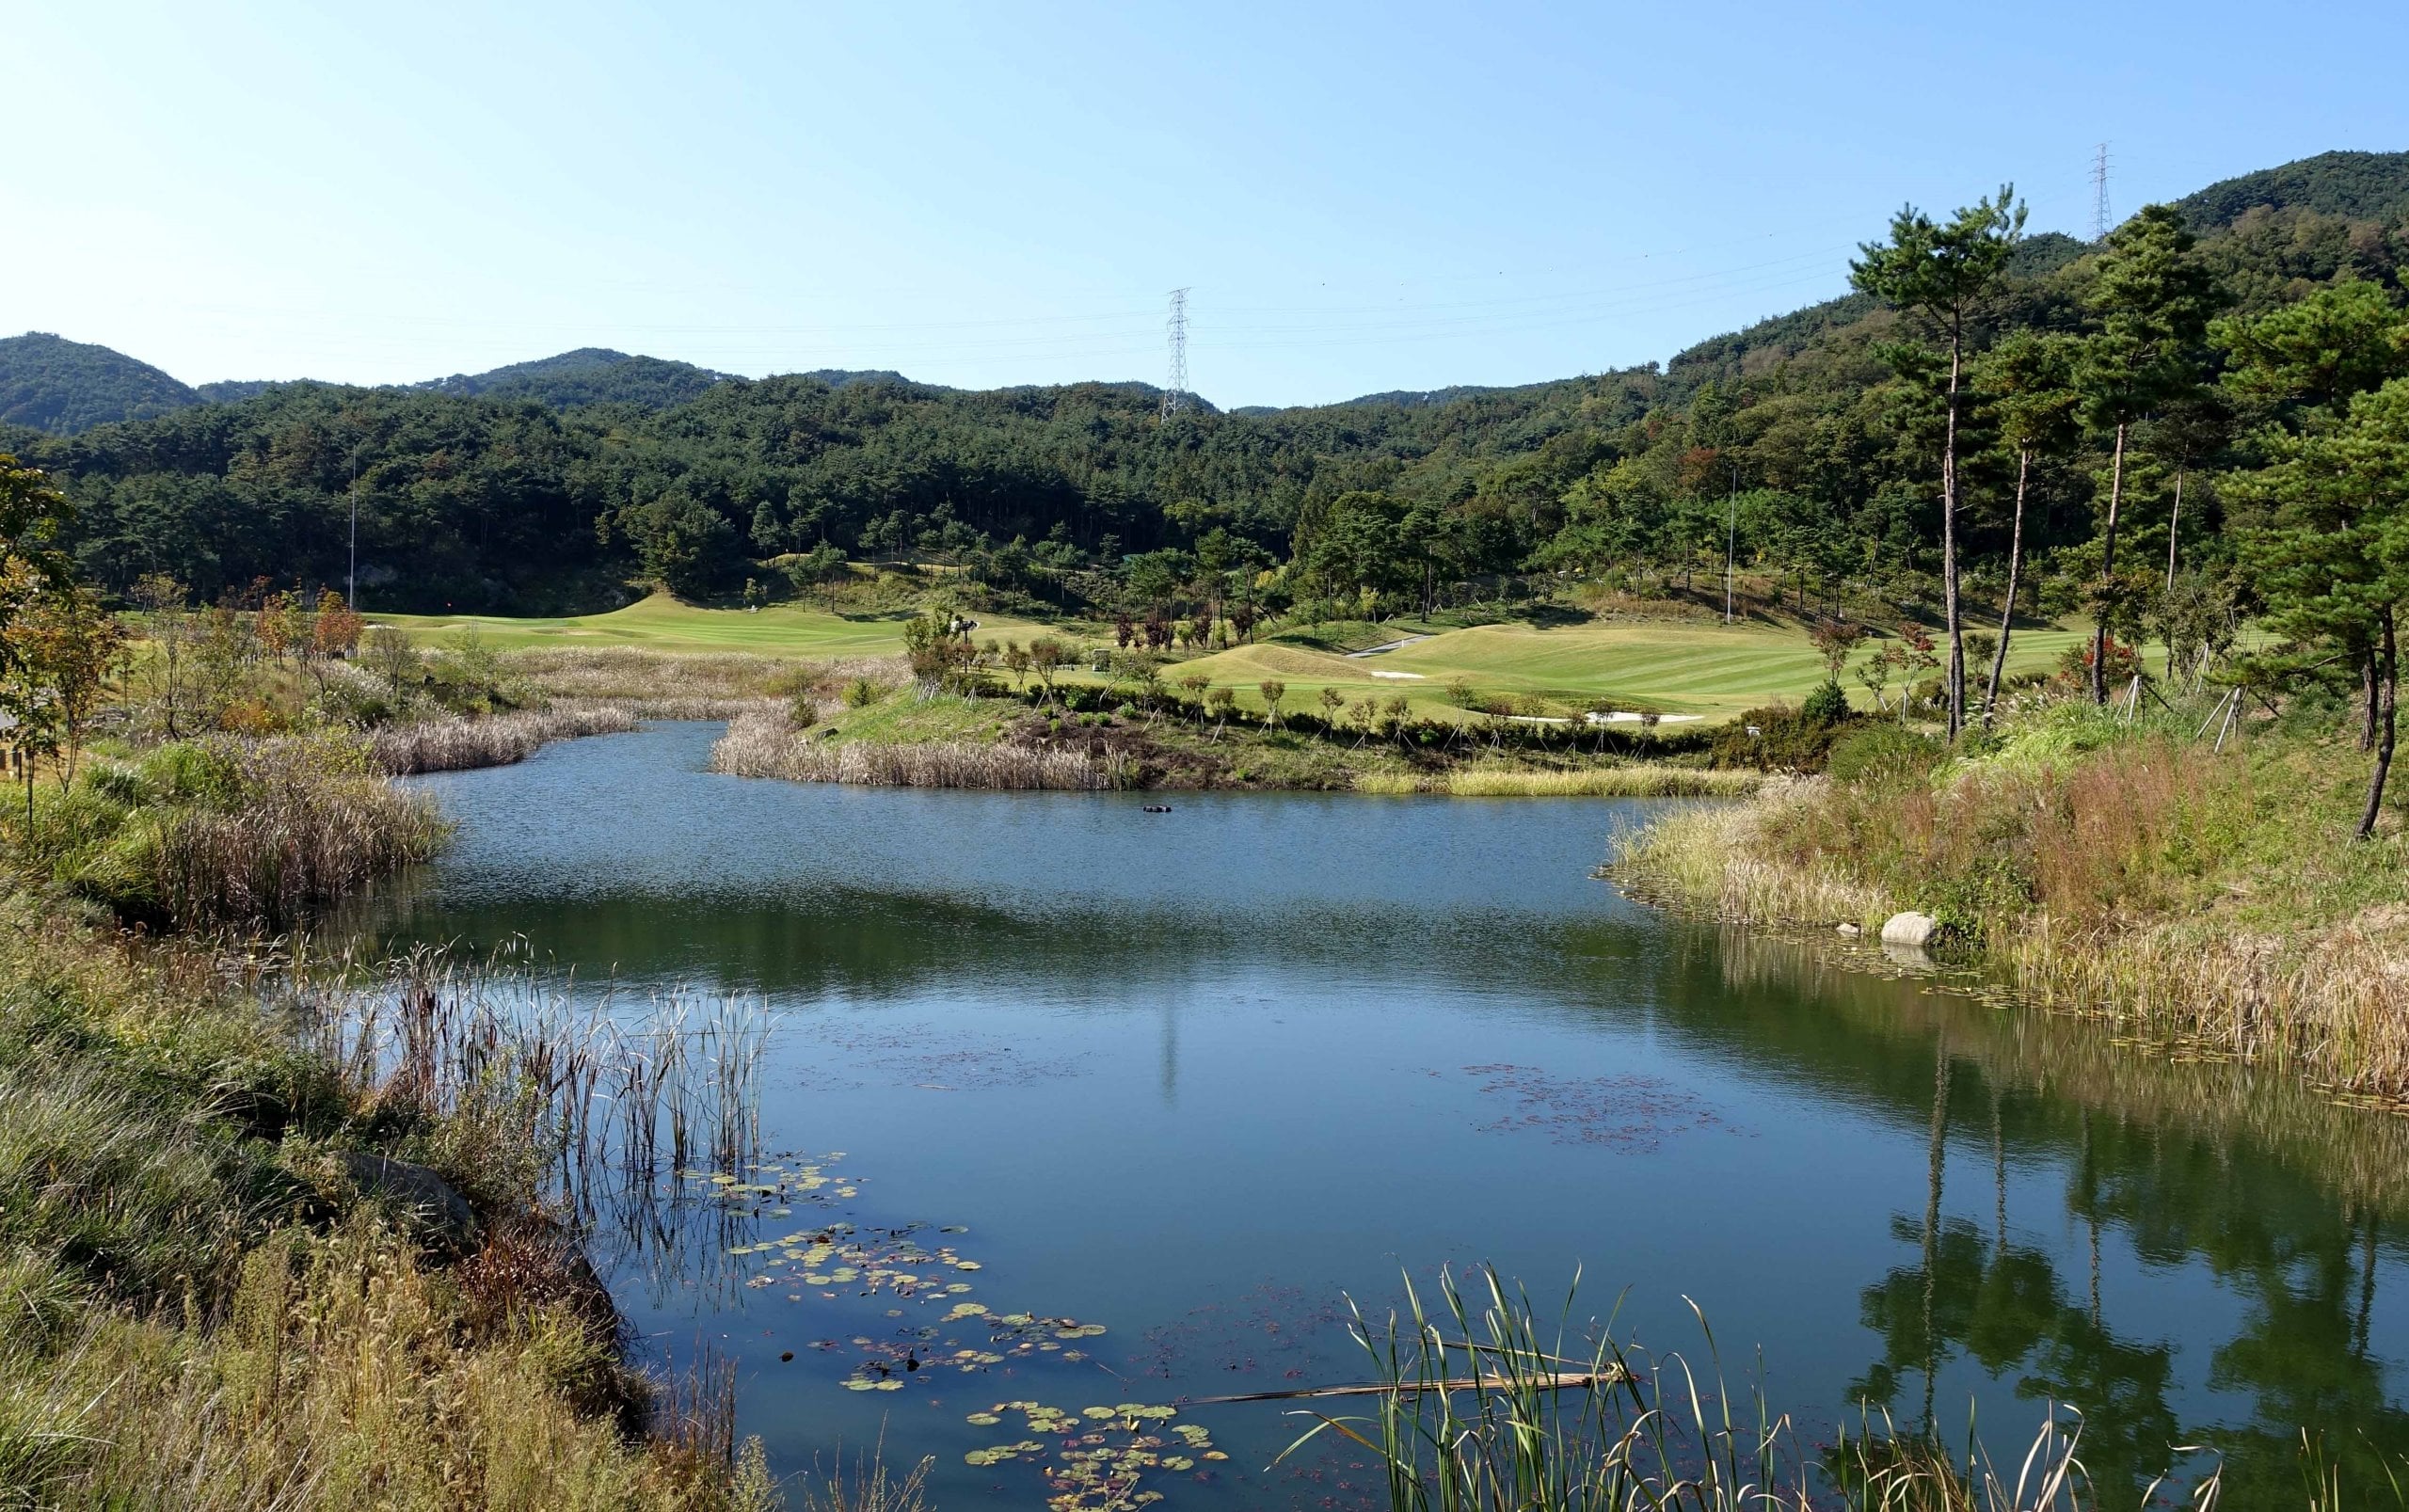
(335, 631)
(74, 649)
(279, 624)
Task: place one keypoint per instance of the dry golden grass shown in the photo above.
(765, 745)
(2179, 893)
(1483, 781)
(459, 744)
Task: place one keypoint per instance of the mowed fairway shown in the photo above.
(1671, 666)
(1699, 667)
(661, 623)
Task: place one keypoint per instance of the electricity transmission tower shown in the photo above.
(2099, 194)
(1175, 387)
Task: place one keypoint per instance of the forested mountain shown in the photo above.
(2359, 187)
(51, 384)
(589, 376)
(548, 483)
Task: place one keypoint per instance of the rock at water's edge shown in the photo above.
(1910, 929)
(436, 1208)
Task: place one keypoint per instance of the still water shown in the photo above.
(1198, 1076)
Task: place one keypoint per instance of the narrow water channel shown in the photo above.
(1195, 1077)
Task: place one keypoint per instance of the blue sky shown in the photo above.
(1361, 198)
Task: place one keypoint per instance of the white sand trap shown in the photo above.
(1626, 717)
(1403, 676)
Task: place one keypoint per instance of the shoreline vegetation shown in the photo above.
(2189, 888)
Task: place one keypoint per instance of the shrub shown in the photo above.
(1827, 705)
(1882, 755)
(1785, 740)
(861, 693)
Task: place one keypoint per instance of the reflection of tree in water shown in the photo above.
(2306, 1267)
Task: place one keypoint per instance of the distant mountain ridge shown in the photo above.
(588, 375)
(60, 387)
(48, 383)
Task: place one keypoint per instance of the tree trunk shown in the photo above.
(2387, 695)
(2367, 699)
(2107, 574)
(1949, 543)
(2174, 522)
(2015, 565)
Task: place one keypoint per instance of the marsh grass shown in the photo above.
(1487, 781)
(307, 821)
(1484, 1407)
(2132, 873)
(585, 1097)
(227, 834)
(768, 746)
(459, 744)
(199, 1310)
(719, 685)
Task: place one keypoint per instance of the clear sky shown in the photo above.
(1361, 196)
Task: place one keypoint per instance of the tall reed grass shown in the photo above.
(456, 743)
(1481, 781)
(198, 1309)
(1483, 1406)
(306, 822)
(604, 1094)
(767, 746)
(2178, 892)
(719, 685)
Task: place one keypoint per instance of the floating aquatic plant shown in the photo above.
(1098, 1457)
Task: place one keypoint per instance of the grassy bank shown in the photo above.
(2126, 869)
(216, 1298)
(250, 1257)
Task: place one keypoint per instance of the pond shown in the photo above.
(1195, 1078)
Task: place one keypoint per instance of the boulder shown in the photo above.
(1910, 929)
(431, 1207)
(1851, 929)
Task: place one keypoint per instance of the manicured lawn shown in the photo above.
(1672, 666)
(661, 623)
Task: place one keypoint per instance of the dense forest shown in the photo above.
(1815, 438)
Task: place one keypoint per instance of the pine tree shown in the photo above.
(2152, 299)
(1946, 273)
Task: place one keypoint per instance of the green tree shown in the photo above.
(2332, 559)
(1946, 272)
(75, 648)
(33, 514)
(682, 543)
(2152, 299)
(2297, 367)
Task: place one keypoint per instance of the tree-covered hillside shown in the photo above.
(550, 484)
(589, 376)
(50, 384)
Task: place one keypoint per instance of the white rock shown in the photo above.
(1851, 929)
(1910, 929)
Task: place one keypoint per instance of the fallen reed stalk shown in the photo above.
(1473, 1412)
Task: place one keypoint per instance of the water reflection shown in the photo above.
(1259, 1047)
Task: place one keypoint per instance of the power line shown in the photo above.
(2099, 222)
(1175, 387)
